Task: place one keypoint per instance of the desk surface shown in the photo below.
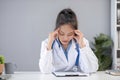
(39, 76)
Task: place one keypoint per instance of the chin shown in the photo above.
(65, 43)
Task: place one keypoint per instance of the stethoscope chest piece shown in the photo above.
(75, 68)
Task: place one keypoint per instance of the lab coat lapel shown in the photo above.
(60, 52)
(62, 55)
(72, 54)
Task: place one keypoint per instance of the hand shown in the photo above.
(51, 38)
(79, 38)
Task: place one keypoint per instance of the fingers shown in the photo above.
(75, 37)
(54, 33)
(57, 30)
(78, 32)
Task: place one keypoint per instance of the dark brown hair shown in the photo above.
(66, 16)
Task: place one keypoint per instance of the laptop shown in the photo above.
(70, 74)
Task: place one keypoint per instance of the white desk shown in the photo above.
(39, 76)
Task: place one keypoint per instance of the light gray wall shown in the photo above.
(25, 23)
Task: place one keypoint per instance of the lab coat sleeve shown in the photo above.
(45, 62)
(88, 62)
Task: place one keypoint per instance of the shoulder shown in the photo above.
(86, 41)
(44, 42)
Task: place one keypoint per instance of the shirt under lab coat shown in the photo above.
(55, 59)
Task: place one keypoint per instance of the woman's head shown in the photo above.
(67, 23)
(66, 16)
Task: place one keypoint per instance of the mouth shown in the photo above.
(65, 41)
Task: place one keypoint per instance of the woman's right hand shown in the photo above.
(51, 38)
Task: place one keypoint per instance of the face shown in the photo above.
(66, 33)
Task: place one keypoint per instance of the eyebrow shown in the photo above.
(63, 32)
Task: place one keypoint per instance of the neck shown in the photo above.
(65, 46)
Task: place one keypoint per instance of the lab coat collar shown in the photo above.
(73, 43)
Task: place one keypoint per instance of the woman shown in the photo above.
(66, 49)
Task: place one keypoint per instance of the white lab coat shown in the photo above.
(55, 60)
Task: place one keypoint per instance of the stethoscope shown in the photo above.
(75, 67)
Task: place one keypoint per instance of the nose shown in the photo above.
(65, 38)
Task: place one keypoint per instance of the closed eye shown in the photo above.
(61, 33)
(70, 34)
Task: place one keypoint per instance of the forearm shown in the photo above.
(49, 45)
(45, 63)
(81, 44)
(88, 61)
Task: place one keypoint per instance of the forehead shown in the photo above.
(66, 28)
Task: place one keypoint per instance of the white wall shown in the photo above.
(25, 23)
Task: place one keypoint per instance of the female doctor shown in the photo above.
(66, 49)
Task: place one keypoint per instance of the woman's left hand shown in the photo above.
(79, 38)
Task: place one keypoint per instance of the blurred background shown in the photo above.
(25, 23)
